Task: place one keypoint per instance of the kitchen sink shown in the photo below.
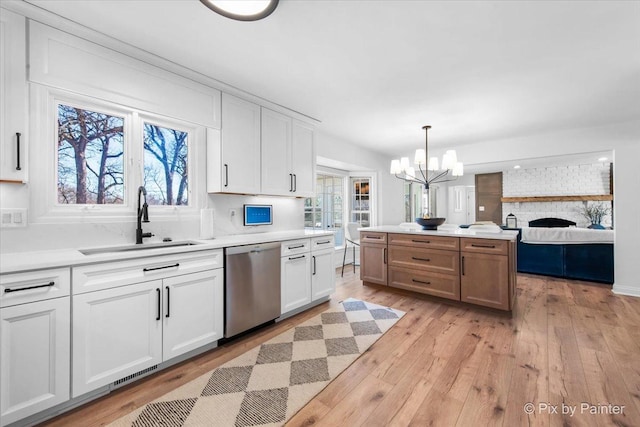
(143, 247)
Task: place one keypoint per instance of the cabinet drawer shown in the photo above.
(20, 288)
(447, 262)
(89, 278)
(321, 243)
(486, 246)
(373, 237)
(293, 247)
(425, 241)
(441, 285)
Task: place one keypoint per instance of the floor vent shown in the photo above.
(131, 377)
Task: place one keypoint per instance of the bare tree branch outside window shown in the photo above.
(90, 157)
(165, 165)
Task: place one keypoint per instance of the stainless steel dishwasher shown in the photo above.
(252, 286)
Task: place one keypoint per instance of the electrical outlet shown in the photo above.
(233, 213)
(13, 218)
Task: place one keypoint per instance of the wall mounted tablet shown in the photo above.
(258, 214)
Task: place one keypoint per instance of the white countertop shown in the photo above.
(566, 235)
(22, 261)
(450, 232)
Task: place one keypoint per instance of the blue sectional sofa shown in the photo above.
(583, 261)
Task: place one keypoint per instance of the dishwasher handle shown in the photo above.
(255, 248)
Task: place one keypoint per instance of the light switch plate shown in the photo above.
(13, 218)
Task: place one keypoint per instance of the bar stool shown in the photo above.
(353, 237)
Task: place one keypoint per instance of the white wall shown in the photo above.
(390, 199)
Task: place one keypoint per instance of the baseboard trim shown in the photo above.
(626, 290)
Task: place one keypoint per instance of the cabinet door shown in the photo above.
(373, 263)
(295, 281)
(193, 312)
(485, 280)
(240, 166)
(116, 332)
(277, 177)
(13, 102)
(323, 274)
(34, 362)
(303, 160)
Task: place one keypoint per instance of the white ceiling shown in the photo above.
(373, 72)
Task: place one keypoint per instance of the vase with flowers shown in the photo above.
(595, 213)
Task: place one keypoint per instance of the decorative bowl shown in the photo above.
(430, 223)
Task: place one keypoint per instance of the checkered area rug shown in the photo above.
(268, 384)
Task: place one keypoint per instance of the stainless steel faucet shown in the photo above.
(143, 216)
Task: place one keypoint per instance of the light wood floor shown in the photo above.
(568, 342)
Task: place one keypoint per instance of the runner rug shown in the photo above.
(268, 384)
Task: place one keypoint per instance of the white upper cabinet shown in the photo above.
(303, 157)
(13, 101)
(234, 156)
(287, 156)
(277, 177)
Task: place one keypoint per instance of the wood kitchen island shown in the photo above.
(460, 264)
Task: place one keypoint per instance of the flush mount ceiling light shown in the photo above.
(242, 10)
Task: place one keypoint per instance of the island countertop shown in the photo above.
(510, 235)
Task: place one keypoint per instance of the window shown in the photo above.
(95, 154)
(360, 201)
(165, 165)
(325, 211)
(90, 167)
(412, 201)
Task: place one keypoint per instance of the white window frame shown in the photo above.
(44, 193)
(373, 195)
(195, 139)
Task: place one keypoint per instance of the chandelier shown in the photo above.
(431, 172)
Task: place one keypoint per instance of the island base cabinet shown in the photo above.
(425, 282)
(34, 359)
(373, 263)
(192, 315)
(484, 280)
(116, 332)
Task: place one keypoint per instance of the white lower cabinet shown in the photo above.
(116, 332)
(193, 316)
(34, 358)
(308, 271)
(296, 281)
(34, 342)
(124, 330)
(323, 277)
